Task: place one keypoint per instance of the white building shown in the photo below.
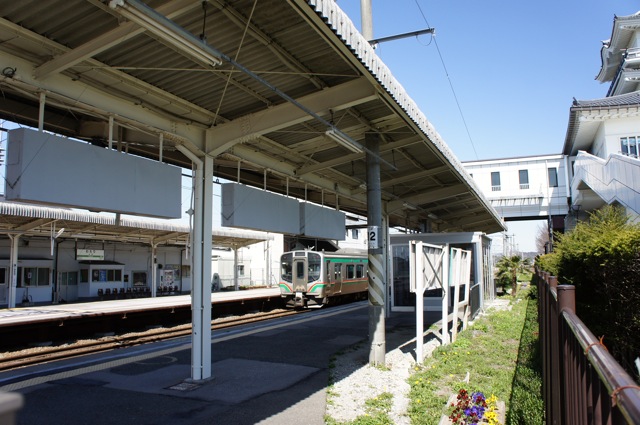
(603, 135)
(525, 188)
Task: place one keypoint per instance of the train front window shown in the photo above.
(315, 264)
(286, 268)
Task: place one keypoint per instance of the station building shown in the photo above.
(66, 255)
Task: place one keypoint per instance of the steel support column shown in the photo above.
(201, 266)
(376, 237)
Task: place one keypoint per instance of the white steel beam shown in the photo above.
(335, 98)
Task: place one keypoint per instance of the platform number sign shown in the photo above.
(373, 236)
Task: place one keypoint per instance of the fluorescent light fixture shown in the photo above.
(82, 236)
(409, 206)
(344, 140)
(166, 30)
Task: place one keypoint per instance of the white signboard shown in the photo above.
(90, 254)
(373, 237)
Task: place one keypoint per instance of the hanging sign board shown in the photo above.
(90, 254)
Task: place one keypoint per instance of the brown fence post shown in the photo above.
(566, 297)
(566, 361)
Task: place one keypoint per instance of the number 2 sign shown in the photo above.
(373, 237)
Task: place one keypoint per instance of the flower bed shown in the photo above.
(474, 408)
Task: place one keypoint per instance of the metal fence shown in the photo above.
(582, 382)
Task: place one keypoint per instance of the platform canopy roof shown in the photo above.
(255, 84)
(64, 224)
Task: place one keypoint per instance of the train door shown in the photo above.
(300, 276)
(4, 289)
(335, 274)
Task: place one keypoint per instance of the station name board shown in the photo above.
(90, 254)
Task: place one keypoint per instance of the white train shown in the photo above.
(314, 279)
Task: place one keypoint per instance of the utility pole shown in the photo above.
(377, 264)
(376, 232)
(366, 16)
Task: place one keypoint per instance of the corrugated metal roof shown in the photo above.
(36, 220)
(92, 63)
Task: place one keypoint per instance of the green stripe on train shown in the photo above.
(317, 285)
(285, 288)
(348, 260)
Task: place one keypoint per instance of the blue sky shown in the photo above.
(515, 66)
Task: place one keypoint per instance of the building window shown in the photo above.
(354, 234)
(629, 146)
(33, 276)
(106, 275)
(524, 179)
(241, 269)
(495, 181)
(553, 177)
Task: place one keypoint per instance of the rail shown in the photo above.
(582, 382)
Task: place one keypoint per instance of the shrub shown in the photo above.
(601, 258)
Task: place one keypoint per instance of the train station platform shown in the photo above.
(272, 373)
(58, 312)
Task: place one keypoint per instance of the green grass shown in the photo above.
(500, 351)
(488, 350)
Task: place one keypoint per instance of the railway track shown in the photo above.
(34, 356)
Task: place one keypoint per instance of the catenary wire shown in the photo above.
(455, 96)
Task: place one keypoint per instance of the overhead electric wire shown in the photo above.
(455, 96)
